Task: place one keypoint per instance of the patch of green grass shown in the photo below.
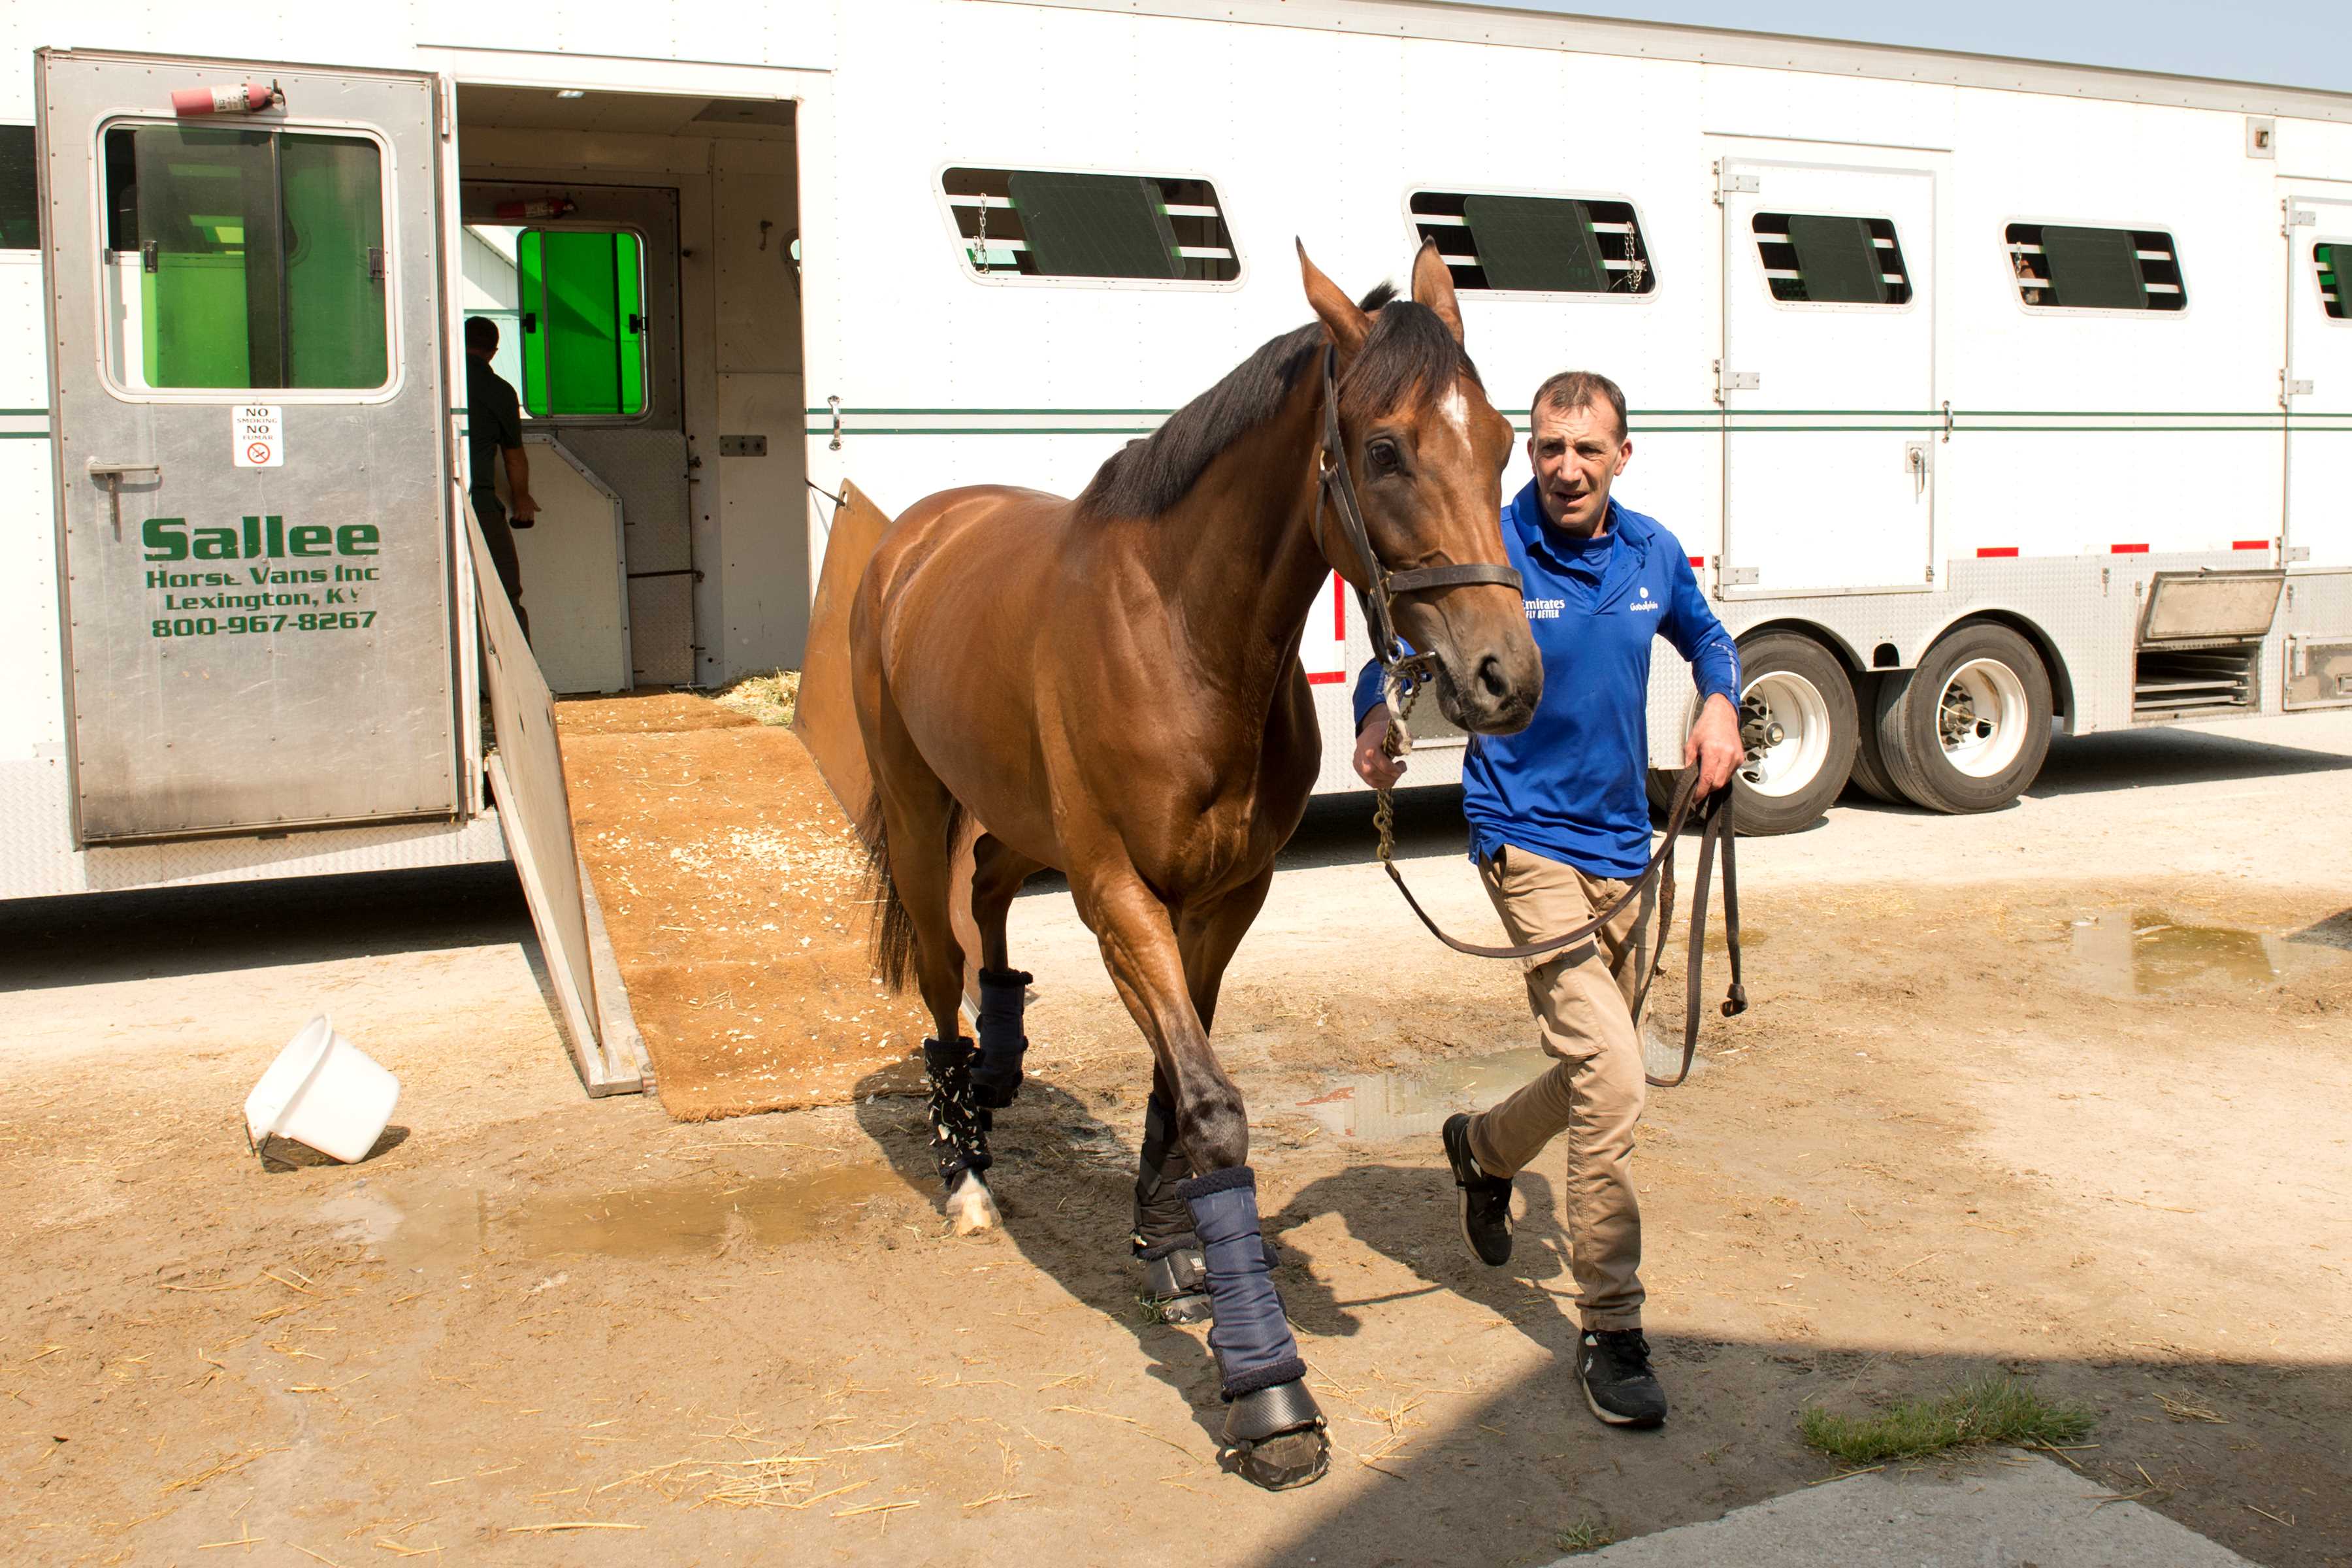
(1584, 1535)
(770, 698)
(1983, 1410)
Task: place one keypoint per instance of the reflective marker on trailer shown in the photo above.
(242, 99)
(2252, 544)
(1987, 552)
(2127, 548)
(1698, 560)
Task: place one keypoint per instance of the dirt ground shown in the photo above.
(2060, 1090)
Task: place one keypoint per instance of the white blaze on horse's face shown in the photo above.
(1457, 411)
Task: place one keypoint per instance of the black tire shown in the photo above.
(1659, 785)
(1869, 767)
(1808, 686)
(1983, 665)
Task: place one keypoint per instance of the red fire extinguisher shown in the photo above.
(535, 208)
(244, 98)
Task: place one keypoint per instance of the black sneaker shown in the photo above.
(1614, 1365)
(1485, 1200)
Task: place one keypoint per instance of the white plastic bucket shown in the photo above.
(324, 1091)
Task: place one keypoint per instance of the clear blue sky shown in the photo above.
(2297, 43)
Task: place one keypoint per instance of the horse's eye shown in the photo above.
(1383, 456)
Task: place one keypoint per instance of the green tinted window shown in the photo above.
(582, 295)
(20, 219)
(1812, 259)
(2331, 260)
(245, 258)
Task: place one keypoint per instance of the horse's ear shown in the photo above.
(1433, 285)
(1348, 325)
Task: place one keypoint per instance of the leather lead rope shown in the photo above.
(1714, 830)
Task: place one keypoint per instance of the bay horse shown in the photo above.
(1110, 686)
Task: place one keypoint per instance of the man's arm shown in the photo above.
(1374, 766)
(1690, 623)
(519, 501)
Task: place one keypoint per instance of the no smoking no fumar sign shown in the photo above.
(257, 435)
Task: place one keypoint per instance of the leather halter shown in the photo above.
(1375, 587)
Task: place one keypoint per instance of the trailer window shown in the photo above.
(1816, 259)
(2066, 267)
(1030, 223)
(2330, 261)
(583, 303)
(1546, 244)
(20, 212)
(245, 258)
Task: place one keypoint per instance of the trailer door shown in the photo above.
(246, 352)
(2318, 392)
(1828, 378)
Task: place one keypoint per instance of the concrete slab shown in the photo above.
(2011, 1510)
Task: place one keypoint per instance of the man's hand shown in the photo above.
(1373, 765)
(1713, 745)
(524, 510)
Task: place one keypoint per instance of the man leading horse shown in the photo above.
(1559, 826)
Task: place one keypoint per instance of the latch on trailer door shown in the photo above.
(1914, 463)
(111, 476)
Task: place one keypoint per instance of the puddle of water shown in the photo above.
(423, 1228)
(2147, 952)
(1375, 1107)
(676, 1218)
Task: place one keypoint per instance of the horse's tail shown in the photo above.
(892, 946)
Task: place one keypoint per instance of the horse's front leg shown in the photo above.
(1273, 1432)
(1175, 1273)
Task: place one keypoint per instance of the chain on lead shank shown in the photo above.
(1401, 688)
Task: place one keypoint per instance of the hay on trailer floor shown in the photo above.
(733, 889)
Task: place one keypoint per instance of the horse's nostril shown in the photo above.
(1491, 679)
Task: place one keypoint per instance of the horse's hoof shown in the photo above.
(1273, 1437)
(1278, 1464)
(1191, 1308)
(971, 1206)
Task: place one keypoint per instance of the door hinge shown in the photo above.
(2298, 553)
(1735, 381)
(1729, 183)
(2301, 217)
(1736, 576)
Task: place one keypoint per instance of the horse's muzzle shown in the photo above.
(1496, 698)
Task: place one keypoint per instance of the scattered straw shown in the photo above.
(876, 1507)
(2181, 1410)
(998, 1496)
(564, 1524)
(229, 1465)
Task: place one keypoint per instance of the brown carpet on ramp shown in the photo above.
(733, 889)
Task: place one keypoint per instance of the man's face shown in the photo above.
(1576, 455)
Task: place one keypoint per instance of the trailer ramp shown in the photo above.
(526, 775)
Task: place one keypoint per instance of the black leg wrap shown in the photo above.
(1252, 1342)
(996, 1081)
(1175, 1275)
(958, 1125)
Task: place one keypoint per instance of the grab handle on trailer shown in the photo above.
(112, 475)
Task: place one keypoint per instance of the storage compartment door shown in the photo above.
(246, 337)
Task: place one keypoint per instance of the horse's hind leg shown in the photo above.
(920, 820)
(997, 873)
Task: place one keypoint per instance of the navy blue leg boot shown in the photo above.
(1273, 1432)
(959, 1124)
(996, 1081)
(1175, 1275)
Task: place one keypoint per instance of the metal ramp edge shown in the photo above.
(526, 774)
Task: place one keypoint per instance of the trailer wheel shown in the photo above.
(1869, 764)
(1969, 729)
(1809, 700)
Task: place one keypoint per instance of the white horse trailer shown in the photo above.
(1980, 390)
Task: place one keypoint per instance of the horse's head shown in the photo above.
(1427, 451)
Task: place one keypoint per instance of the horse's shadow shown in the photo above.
(1065, 1181)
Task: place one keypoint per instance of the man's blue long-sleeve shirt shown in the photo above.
(1569, 785)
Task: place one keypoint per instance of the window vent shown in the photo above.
(2330, 261)
(1537, 245)
(1811, 259)
(2064, 266)
(1022, 223)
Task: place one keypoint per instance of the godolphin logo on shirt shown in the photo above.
(1645, 602)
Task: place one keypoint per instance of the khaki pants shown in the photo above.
(1582, 998)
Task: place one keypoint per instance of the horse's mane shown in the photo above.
(1409, 350)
